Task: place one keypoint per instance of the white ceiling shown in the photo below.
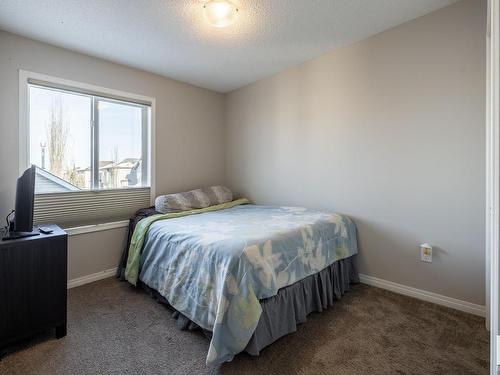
(171, 37)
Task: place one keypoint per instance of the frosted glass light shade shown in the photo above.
(220, 13)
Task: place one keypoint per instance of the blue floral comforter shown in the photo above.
(214, 267)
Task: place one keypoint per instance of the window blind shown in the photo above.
(89, 207)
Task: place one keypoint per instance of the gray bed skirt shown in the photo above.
(283, 312)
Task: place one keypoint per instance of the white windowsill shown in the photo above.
(96, 227)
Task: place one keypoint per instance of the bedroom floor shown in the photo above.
(114, 329)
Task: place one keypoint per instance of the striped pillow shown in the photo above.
(189, 200)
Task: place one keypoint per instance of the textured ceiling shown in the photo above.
(171, 37)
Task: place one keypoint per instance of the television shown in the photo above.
(22, 225)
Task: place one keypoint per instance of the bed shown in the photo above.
(246, 274)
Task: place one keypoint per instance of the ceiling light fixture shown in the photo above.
(220, 13)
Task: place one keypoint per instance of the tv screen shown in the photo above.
(25, 200)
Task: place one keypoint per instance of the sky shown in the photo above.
(119, 127)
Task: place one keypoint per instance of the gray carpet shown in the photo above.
(115, 329)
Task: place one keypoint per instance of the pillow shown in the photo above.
(189, 200)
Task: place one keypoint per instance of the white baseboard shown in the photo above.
(91, 278)
(424, 295)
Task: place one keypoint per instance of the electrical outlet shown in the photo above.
(426, 253)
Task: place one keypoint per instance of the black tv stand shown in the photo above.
(33, 282)
(12, 235)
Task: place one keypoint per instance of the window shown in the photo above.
(86, 142)
(92, 149)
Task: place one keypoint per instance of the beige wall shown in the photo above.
(390, 131)
(94, 252)
(189, 131)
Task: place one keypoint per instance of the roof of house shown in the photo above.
(103, 164)
(128, 163)
(47, 182)
(124, 164)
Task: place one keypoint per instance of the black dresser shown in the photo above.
(33, 284)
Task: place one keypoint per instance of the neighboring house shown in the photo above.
(47, 182)
(87, 173)
(128, 172)
(114, 175)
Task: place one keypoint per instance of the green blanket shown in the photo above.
(141, 229)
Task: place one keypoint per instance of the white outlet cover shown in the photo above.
(426, 257)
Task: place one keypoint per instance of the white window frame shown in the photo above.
(24, 131)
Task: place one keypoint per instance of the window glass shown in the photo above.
(120, 145)
(60, 138)
(85, 142)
